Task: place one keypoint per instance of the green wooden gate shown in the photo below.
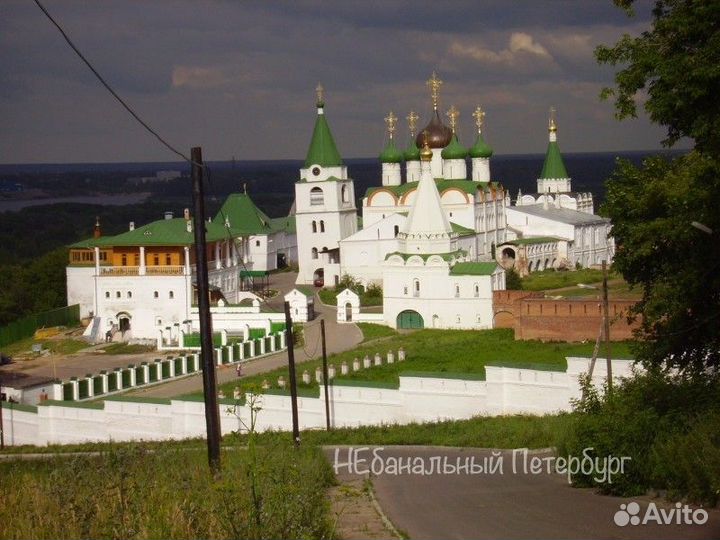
(409, 319)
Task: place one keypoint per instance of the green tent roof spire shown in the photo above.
(322, 150)
(553, 166)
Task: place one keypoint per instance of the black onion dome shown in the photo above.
(439, 135)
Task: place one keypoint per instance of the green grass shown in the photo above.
(374, 331)
(440, 351)
(125, 348)
(55, 346)
(274, 491)
(481, 432)
(554, 279)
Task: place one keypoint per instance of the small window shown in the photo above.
(156, 295)
(314, 253)
(345, 194)
(477, 291)
(322, 225)
(168, 259)
(123, 260)
(314, 226)
(405, 291)
(107, 294)
(156, 259)
(129, 294)
(171, 295)
(416, 288)
(117, 294)
(158, 321)
(136, 259)
(257, 243)
(457, 291)
(396, 230)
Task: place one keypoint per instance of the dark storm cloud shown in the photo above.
(239, 77)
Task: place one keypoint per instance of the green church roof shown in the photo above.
(480, 149)
(553, 166)
(412, 153)
(473, 269)
(322, 149)
(391, 154)
(243, 216)
(454, 150)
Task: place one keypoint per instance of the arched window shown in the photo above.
(107, 294)
(322, 225)
(416, 288)
(117, 294)
(477, 290)
(171, 295)
(314, 226)
(457, 291)
(316, 197)
(155, 294)
(129, 294)
(314, 253)
(396, 229)
(345, 194)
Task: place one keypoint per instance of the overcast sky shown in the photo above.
(238, 78)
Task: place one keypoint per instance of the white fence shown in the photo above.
(506, 390)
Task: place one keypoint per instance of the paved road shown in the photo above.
(506, 506)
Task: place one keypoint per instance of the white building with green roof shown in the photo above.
(141, 283)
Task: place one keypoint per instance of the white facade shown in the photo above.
(506, 390)
(427, 287)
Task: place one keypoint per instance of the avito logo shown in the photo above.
(629, 514)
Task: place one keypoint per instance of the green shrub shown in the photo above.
(664, 424)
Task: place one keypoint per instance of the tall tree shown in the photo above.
(677, 63)
(653, 207)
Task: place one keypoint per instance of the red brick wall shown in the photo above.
(571, 320)
(535, 317)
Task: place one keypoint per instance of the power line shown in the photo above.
(108, 87)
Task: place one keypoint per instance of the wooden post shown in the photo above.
(212, 417)
(325, 374)
(293, 381)
(606, 311)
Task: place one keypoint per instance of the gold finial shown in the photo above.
(434, 84)
(453, 115)
(391, 121)
(412, 119)
(426, 154)
(479, 116)
(552, 125)
(319, 91)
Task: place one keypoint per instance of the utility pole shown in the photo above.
(212, 416)
(606, 312)
(325, 374)
(291, 369)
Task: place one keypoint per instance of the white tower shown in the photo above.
(412, 154)
(324, 206)
(391, 157)
(554, 177)
(454, 154)
(480, 152)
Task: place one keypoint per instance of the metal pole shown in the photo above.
(606, 310)
(291, 369)
(212, 416)
(325, 374)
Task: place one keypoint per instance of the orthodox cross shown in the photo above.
(479, 116)
(391, 121)
(412, 119)
(434, 84)
(453, 115)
